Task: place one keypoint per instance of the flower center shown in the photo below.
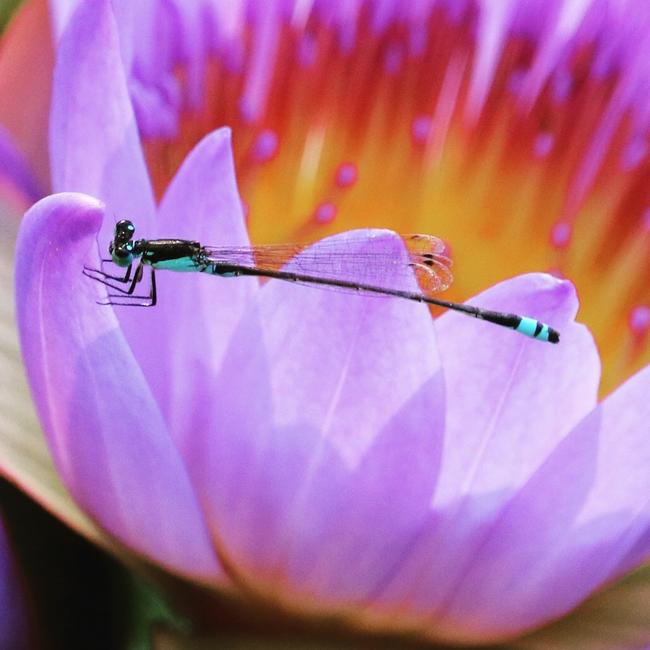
(521, 147)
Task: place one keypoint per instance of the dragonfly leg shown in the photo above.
(103, 279)
(124, 279)
(126, 293)
(126, 297)
(153, 295)
(88, 270)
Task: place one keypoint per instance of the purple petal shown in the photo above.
(510, 401)
(266, 18)
(94, 141)
(493, 22)
(327, 436)
(575, 525)
(196, 315)
(95, 146)
(25, 459)
(61, 12)
(157, 107)
(109, 440)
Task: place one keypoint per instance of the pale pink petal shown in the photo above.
(108, 438)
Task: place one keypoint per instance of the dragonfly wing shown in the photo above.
(340, 259)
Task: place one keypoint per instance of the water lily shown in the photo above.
(335, 456)
(526, 115)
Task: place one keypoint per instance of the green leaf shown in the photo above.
(7, 8)
(150, 611)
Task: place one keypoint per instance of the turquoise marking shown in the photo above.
(528, 326)
(178, 264)
(543, 335)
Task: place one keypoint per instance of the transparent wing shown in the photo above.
(342, 260)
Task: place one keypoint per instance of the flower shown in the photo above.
(403, 488)
(403, 475)
(472, 107)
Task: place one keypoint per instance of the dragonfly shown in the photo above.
(335, 263)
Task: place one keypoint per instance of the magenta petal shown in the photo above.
(108, 438)
(580, 521)
(94, 141)
(327, 437)
(197, 314)
(266, 19)
(61, 11)
(510, 399)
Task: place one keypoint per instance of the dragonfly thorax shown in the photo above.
(123, 253)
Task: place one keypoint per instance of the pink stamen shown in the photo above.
(561, 234)
(421, 128)
(543, 145)
(346, 174)
(266, 146)
(325, 213)
(639, 320)
(393, 60)
(307, 51)
(634, 153)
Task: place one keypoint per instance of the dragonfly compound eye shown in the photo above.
(124, 230)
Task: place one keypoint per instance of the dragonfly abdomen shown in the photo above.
(224, 270)
(537, 330)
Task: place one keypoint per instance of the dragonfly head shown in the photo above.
(124, 231)
(121, 248)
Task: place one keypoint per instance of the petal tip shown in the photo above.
(72, 212)
(216, 141)
(54, 227)
(543, 295)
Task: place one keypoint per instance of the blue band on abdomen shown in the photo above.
(527, 326)
(533, 328)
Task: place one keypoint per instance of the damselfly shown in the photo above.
(331, 264)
